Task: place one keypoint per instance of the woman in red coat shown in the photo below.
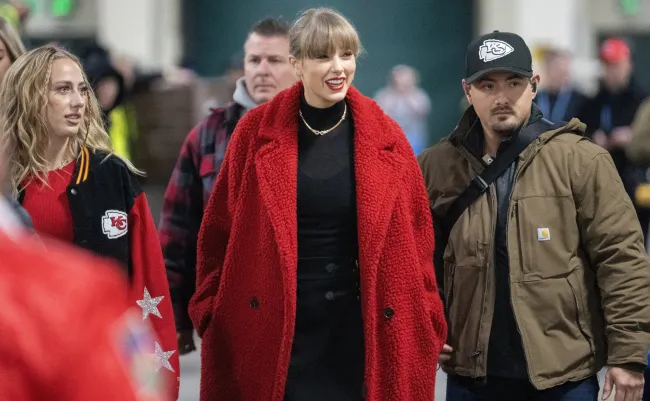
(315, 278)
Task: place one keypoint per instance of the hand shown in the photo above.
(185, 342)
(600, 138)
(620, 137)
(445, 356)
(629, 384)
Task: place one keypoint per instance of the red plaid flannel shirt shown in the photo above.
(187, 194)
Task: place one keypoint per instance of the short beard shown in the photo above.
(506, 130)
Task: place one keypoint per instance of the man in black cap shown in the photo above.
(538, 246)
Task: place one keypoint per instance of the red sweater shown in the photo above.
(48, 204)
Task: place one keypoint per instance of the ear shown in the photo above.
(467, 91)
(534, 83)
(297, 66)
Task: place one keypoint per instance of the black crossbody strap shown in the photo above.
(482, 182)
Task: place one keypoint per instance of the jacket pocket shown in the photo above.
(580, 302)
(547, 236)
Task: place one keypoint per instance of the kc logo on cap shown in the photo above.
(497, 52)
(493, 49)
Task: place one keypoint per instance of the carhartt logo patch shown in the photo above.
(115, 224)
(493, 49)
(543, 234)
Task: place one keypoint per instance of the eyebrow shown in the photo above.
(510, 77)
(67, 82)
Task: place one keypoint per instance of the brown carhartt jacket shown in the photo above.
(579, 273)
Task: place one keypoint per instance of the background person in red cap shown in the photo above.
(609, 114)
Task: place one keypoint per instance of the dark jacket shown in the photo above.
(607, 111)
(97, 65)
(561, 106)
(111, 218)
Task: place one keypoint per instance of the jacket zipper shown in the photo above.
(513, 209)
(490, 266)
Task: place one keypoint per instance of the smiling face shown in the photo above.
(502, 100)
(324, 50)
(326, 78)
(66, 100)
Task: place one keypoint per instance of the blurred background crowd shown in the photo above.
(164, 63)
(158, 66)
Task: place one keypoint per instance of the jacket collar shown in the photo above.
(469, 132)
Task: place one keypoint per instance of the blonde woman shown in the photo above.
(62, 170)
(314, 277)
(11, 47)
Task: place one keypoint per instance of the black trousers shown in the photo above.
(500, 389)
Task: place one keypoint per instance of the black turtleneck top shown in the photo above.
(327, 216)
(327, 356)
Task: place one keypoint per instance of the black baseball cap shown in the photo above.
(497, 51)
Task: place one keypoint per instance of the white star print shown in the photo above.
(161, 358)
(149, 305)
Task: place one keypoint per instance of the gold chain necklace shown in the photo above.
(317, 132)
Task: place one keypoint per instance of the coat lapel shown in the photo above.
(276, 165)
(379, 166)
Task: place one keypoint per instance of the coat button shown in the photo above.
(73, 191)
(331, 268)
(329, 295)
(389, 313)
(255, 303)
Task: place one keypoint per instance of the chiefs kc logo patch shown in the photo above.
(493, 49)
(115, 224)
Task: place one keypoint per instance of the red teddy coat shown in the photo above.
(245, 304)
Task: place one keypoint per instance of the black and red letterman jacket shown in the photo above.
(111, 217)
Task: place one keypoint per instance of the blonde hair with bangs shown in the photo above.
(321, 31)
(24, 128)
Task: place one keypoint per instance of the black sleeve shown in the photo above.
(438, 260)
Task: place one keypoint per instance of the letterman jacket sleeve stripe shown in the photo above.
(83, 165)
(85, 170)
(150, 291)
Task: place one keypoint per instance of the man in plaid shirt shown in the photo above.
(266, 72)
